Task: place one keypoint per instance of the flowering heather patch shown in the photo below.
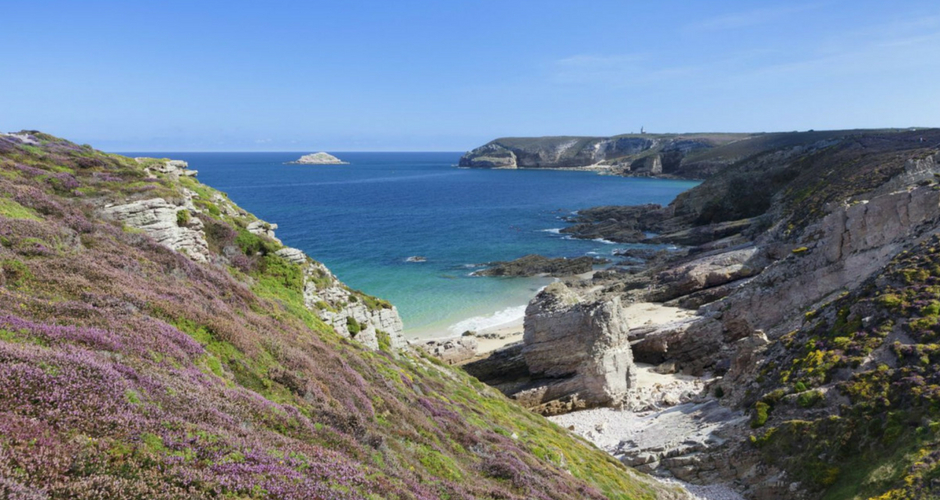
(129, 371)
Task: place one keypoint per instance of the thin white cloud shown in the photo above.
(747, 19)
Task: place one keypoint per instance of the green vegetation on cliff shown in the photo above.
(127, 370)
(865, 372)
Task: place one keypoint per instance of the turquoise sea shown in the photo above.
(364, 220)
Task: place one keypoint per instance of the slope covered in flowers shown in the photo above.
(129, 371)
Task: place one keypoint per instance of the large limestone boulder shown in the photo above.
(582, 347)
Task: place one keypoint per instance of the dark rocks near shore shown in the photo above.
(622, 224)
(538, 265)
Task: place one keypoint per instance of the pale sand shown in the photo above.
(652, 314)
(512, 333)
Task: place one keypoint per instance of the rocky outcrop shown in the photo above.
(371, 322)
(652, 165)
(169, 225)
(452, 351)
(292, 255)
(535, 265)
(708, 272)
(623, 224)
(839, 252)
(172, 168)
(580, 348)
(262, 228)
(320, 158)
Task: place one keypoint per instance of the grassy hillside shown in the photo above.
(129, 371)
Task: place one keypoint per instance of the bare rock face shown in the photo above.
(582, 347)
(452, 351)
(262, 228)
(172, 168)
(652, 164)
(292, 255)
(342, 309)
(708, 272)
(554, 152)
(161, 220)
(690, 344)
(840, 251)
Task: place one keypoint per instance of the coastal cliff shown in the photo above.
(688, 156)
(158, 341)
(808, 273)
(634, 154)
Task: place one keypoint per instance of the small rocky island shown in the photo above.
(320, 158)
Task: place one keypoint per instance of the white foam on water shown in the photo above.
(554, 230)
(606, 242)
(498, 319)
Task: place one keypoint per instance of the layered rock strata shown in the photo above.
(580, 350)
(168, 224)
(372, 323)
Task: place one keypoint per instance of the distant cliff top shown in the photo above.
(692, 156)
(320, 158)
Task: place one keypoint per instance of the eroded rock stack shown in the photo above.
(579, 349)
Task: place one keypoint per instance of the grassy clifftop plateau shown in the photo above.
(130, 370)
(659, 155)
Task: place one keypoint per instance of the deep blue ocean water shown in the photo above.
(363, 220)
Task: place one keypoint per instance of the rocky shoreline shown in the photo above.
(765, 256)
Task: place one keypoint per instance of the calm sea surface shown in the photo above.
(363, 220)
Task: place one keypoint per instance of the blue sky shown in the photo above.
(451, 75)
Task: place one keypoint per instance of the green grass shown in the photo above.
(10, 209)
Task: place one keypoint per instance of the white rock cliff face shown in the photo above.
(159, 219)
(842, 250)
(583, 345)
(339, 307)
(835, 254)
